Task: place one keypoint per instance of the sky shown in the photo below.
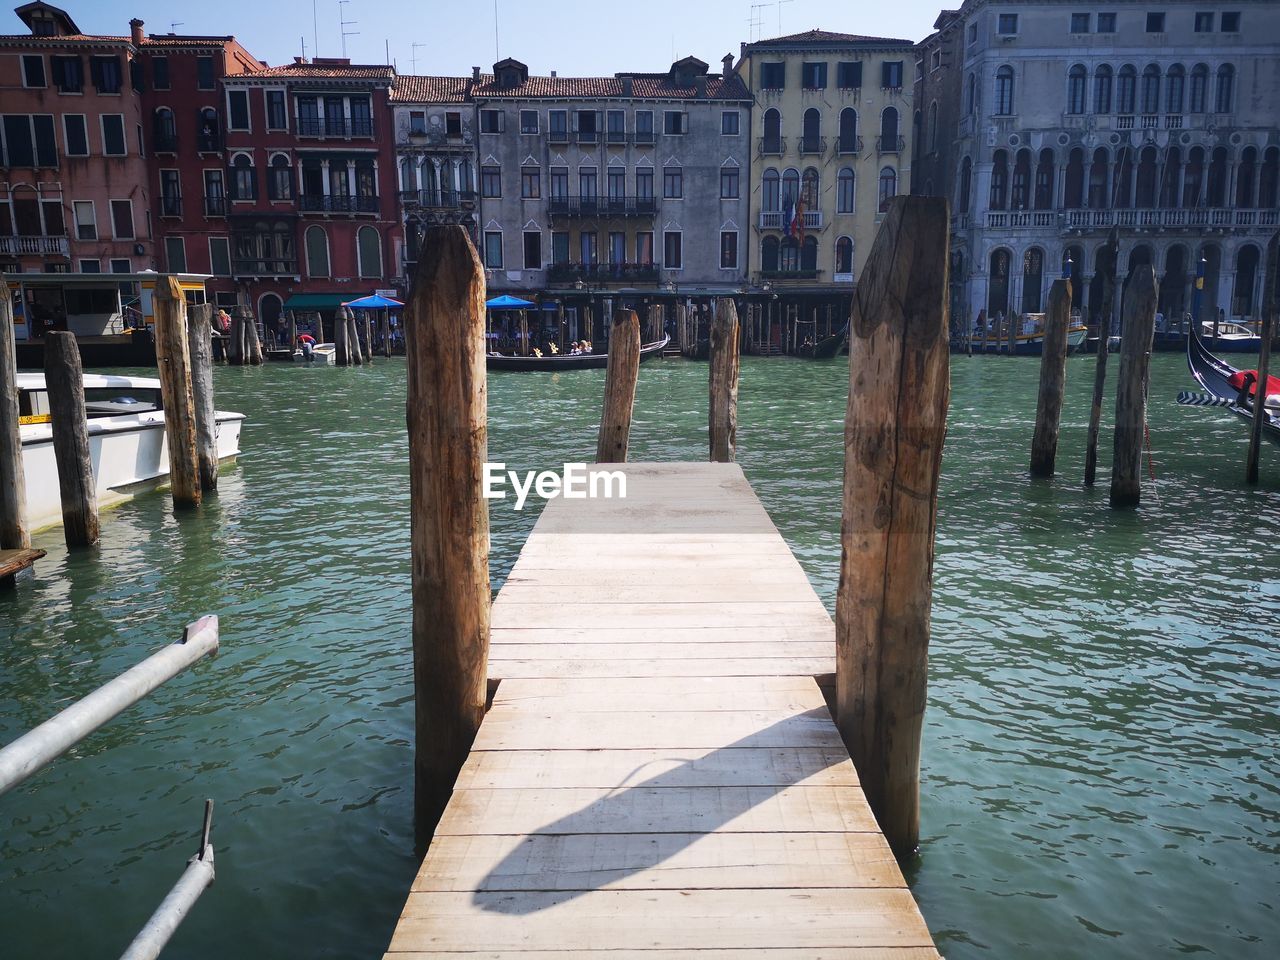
(572, 38)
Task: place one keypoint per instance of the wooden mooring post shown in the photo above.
(1269, 284)
(64, 379)
(1109, 266)
(200, 344)
(1138, 328)
(252, 341)
(1053, 380)
(341, 351)
(173, 359)
(235, 338)
(620, 376)
(449, 523)
(722, 419)
(899, 389)
(15, 534)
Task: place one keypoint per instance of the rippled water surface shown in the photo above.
(1100, 765)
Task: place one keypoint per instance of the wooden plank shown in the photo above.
(657, 809)
(712, 614)
(811, 953)
(678, 767)
(577, 592)
(502, 669)
(663, 861)
(775, 693)
(13, 562)
(661, 919)
(782, 635)
(622, 650)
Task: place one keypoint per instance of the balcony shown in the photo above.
(772, 220)
(1221, 218)
(208, 143)
(265, 268)
(567, 273)
(558, 136)
(782, 275)
(849, 146)
(813, 145)
(602, 206)
(170, 206)
(33, 246)
(1020, 219)
(439, 199)
(334, 127)
(337, 203)
(587, 136)
(165, 142)
(886, 145)
(1124, 122)
(644, 137)
(1173, 121)
(771, 146)
(215, 206)
(617, 138)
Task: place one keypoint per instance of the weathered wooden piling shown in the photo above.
(354, 348)
(64, 379)
(252, 341)
(899, 389)
(1138, 328)
(449, 525)
(384, 333)
(368, 335)
(173, 360)
(722, 420)
(341, 352)
(200, 345)
(15, 534)
(1110, 259)
(1053, 380)
(1267, 331)
(293, 332)
(235, 338)
(621, 371)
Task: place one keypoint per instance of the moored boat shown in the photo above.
(826, 348)
(566, 361)
(127, 442)
(1216, 376)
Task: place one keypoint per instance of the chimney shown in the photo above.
(553, 73)
(135, 31)
(700, 86)
(299, 59)
(628, 86)
(727, 60)
(475, 74)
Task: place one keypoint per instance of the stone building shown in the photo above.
(832, 144)
(1158, 119)
(633, 185)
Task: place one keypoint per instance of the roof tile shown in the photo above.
(409, 88)
(827, 37)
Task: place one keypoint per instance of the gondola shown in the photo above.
(1214, 375)
(554, 362)
(826, 348)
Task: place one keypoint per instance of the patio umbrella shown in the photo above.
(372, 302)
(506, 302)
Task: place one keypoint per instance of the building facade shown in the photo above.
(74, 189)
(832, 144)
(311, 186)
(634, 184)
(1159, 120)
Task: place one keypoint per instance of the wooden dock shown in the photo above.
(659, 773)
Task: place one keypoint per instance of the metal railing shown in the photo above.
(215, 206)
(598, 206)
(771, 146)
(444, 199)
(334, 126)
(165, 142)
(890, 145)
(772, 220)
(602, 272)
(265, 267)
(849, 145)
(170, 206)
(337, 203)
(815, 145)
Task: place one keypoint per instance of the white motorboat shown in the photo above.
(127, 443)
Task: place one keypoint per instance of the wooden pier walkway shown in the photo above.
(659, 774)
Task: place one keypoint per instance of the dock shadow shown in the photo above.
(612, 813)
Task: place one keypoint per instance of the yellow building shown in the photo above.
(831, 143)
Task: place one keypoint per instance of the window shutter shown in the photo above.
(58, 68)
(95, 71)
(855, 74)
(884, 75)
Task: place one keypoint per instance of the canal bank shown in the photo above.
(1097, 773)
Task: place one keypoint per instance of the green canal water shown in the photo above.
(1100, 763)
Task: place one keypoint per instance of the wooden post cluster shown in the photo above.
(367, 323)
(293, 332)
(200, 344)
(235, 338)
(444, 333)
(341, 352)
(1131, 388)
(899, 389)
(384, 332)
(621, 372)
(722, 420)
(15, 534)
(354, 347)
(1053, 380)
(1109, 265)
(252, 342)
(1269, 285)
(173, 360)
(64, 380)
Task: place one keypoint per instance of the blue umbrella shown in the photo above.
(372, 302)
(506, 302)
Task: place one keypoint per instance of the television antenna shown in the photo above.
(175, 24)
(413, 56)
(755, 21)
(343, 23)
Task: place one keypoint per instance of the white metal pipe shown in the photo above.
(173, 909)
(41, 746)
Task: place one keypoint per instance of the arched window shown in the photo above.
(1021, 195)
(933, 127)
(770, 197)
(280, 178)
(1245, 174)
(1217, 192)
(790, 186)
(966, 181)
(1123, 188)
(970, 95)
(317, 252)
(408, 176)
(1147, 178)
(208, 139)
(1193, 178)
(244, 185)
(844, 256)
(848, 130)
(1224, 94)
(166, 130)
(1170, 177)
(1126, 89)
(1032, 279)
(812, 130)
(270, 306)
(1073, 187)
(772, 131)
(1077, 80)
(1004, 91)
(998, 288)
(889, 130)
(769, 255)
(1269, 183)
(844, 190)
(1247, 260)
(809, 253)
(1151, 89)
(888, 187)
(1044, 181)
(1199, 88)
(369, 252)
(999, 180)
(1099, 179)
(809, 189)
(1174, 89)
(1102, 89)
